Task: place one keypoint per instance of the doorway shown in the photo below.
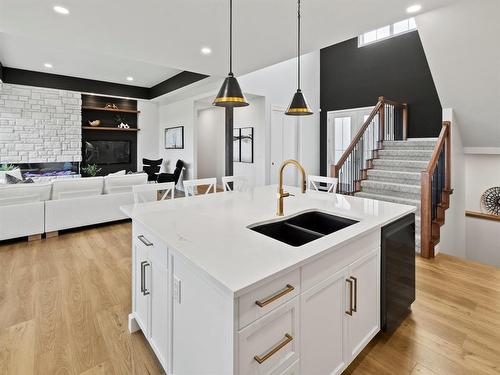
(342, 126)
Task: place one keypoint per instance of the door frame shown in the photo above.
(330, 116)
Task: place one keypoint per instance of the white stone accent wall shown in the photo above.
(39, 125)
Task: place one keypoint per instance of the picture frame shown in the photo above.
(243, 147)
(174, 138)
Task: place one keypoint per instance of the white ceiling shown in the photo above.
(152, 40)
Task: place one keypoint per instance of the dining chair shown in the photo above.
(153, 192)
(314, 184)
(239, 183)
(191, 186)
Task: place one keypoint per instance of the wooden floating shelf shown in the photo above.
(480, 215)
(111, 109)
(109, 128)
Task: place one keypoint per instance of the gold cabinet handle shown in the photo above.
(264, 302)
(349, 312)
(355, 308)
(282, 343)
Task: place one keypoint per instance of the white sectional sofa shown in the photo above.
(22, 210)
(28, 209)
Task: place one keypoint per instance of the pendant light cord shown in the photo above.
(230, 37)
(298, 43)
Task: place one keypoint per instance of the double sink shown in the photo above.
(303, 228)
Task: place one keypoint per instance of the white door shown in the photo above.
(142, 298)
(322, 326)
(342, 126)
(160, 316)
(284, 145)
(364, 323)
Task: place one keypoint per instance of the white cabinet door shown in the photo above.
(322, 326)
(363, 301)
(142, 296)
(160, 316)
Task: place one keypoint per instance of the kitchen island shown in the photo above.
(214, 293)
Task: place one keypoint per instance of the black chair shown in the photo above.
(172, 177)
(152, 168)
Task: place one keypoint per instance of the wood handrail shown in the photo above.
(378, 107)
(443, 136)
(426, 225)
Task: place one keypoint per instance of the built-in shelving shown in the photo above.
(109, 128)
(480, 215)
(110, 109)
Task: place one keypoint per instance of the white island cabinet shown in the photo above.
(214, 297)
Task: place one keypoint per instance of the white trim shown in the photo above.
(482, 150)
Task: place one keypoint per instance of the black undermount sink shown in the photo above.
(301, 229)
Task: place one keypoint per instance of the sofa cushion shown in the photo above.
(76, 187)
(24, 193)
(122, 184)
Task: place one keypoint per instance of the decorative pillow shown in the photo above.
(9, 179)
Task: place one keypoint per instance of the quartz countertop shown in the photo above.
(211, 231)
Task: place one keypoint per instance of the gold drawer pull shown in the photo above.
(264, 302)
(266, 356)
(349, 312)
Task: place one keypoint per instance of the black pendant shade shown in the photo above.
(298, 106)
(230, 94)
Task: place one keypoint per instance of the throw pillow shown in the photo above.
(119, 173)
(11, 179)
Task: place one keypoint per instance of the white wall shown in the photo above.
(453, 234)
(147, 137)
(210, 143)
(276, 84)
(483, 172)
(177, 114)
(253, 116)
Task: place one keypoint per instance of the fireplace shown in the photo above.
(56, 169)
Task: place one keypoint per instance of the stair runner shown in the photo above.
(395, 176)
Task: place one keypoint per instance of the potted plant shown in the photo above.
(91, 170)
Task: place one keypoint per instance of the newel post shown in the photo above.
(448, 159)
(405, 121)
(426, 248)
(382, 118)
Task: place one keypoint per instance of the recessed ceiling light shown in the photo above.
(414, 8)
(61, 10)
(130, 78)
(206, 50)
(47, 65)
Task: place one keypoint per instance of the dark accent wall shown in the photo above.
(396, 68)
(56, 81)
(108, 120)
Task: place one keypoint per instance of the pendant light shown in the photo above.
(298, 106)
(230, 94)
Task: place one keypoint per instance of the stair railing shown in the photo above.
(387, 121)
(435, 192)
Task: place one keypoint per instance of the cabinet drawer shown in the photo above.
(322, 268)
(258, 302)
(156, 249)
(270, 344)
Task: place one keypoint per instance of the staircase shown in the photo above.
(395, 175)
(380, 163)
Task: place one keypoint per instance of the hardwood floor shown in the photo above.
(64, 303)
